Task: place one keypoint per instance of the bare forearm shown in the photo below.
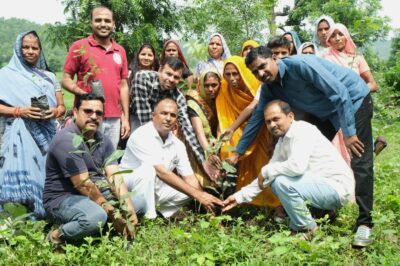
(68, 84)
(124, 95)
(6, 110)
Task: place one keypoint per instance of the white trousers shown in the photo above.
(150, 191)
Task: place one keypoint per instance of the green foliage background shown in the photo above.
(9, 30)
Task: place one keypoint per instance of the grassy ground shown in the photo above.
(252, 239)
(247, 237)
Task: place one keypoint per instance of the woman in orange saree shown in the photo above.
(238, 89)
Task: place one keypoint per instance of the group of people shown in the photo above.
(314, 150)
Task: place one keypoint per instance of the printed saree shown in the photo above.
(197, 100)
(230, 103)
(25, 141)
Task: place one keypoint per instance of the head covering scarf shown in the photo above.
(305, 45)
(349, 49)
(211, 62)
(296, 39)
(230, 104)
(247, 43)
(226, 53)
(199, 101)
(180, 53)
(321, 18)
(25, 141)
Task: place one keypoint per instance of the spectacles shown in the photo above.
(90, 112)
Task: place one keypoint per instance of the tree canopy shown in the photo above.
(136, 21)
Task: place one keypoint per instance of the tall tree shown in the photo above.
(137, 21)
(236, 20)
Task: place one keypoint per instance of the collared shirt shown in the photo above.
(145, 146)
(110, 66)
(304, 151)
(147, 92)
(313, 85)
(62, 163)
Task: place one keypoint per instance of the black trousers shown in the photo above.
(363, 167)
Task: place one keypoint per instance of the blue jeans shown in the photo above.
(79, 217)
(295, 193)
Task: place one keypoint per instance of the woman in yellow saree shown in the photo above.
(238, 89)
(202, 113)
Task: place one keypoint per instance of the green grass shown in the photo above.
(247, 238)
(251, 240)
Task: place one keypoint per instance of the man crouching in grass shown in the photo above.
(71, 195)
(305, 169)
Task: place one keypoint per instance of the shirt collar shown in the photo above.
(281, 69)
(93, 42)
(290, 133)
(168, 141)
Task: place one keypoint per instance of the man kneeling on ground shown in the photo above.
(154, 152)
(72, 196)
(305, 169)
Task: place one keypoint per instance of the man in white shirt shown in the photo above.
(305, 169)
(154, 152)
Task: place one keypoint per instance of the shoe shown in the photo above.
(279, 215)
(362, 237)
(379, 144)
(55, 244)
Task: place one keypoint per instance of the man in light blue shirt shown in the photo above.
(337, 97)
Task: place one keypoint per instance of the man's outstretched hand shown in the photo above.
(208, 201)
(229, 203)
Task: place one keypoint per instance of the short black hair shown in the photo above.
(166, 98)
(101, 7)
(173, 62)
(279, 41)
(284, 106)
(261, 51)
(87, 97)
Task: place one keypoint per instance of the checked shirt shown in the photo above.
(147, 92)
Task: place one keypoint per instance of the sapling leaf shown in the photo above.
(77, 141)
(228, 167)
(113, 157)
(113, 203)
(127, 171)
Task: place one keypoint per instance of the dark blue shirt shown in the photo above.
(63, 162)
(313, 85)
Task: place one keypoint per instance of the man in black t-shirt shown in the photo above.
(72, 195)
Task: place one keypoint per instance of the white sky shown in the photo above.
(50, 11)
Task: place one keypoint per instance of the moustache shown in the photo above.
(92, 121)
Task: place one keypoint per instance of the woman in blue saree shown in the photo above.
(28, 130)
